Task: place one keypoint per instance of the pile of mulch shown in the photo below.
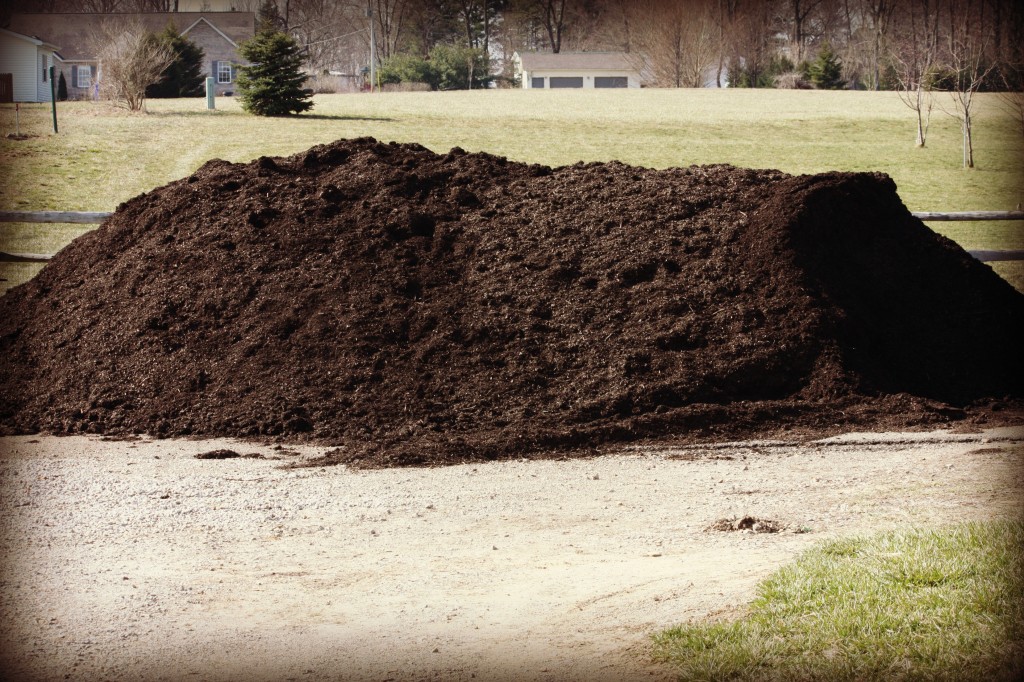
(411, 307)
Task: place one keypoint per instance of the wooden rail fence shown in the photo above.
(80, 217)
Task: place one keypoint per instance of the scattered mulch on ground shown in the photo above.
(222, 453)
(750, 524)
(412, 307)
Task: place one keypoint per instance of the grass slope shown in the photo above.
(911, 605)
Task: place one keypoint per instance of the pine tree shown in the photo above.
(184, 77)
(826, 72)
(272, 85)
(62, 88)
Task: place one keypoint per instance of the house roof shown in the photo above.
(31, 39)
(73, 31)
(576, 61)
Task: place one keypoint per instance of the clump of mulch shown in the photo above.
(749, 524)
(412, 307)
(227, 453)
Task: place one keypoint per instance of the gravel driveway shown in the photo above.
(135, 560)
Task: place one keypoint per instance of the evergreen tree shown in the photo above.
(184, 77)
(272, 84)
(826, 72)
(62, 88)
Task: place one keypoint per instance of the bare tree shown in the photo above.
(1010, 55)
(547, 15)
(322, 30)
(967, 64)
(679, 41)
(552, 14)
(800, 14)
(880, 13)
(915, 54)
(391, 19)
(727, 16)
(751, 42)
(150, 5)
(131, 58)
(101, 6)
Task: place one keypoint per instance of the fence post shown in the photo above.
(53, 98)
(211, 92)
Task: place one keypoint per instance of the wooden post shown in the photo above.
(211, 92)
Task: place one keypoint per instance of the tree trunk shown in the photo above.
(968, 142)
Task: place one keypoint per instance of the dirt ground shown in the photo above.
(130, 560)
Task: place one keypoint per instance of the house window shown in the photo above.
(611, 82)
(567, 81)
(46, 75)
(223, 72)
(81, 76)
(537, 82)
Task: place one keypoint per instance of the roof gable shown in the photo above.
(576, 61)
(29, 39)
(204, 20)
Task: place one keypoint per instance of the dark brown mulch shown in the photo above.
(412, 307)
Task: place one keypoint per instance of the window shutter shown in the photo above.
(233, 73)
(216, 72)
(74, 76)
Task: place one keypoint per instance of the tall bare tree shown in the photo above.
(799, 19)
(392, 19)
(752, 41)
(915, 57)
(880, 13)
(967, 63)
(549, 16)
(679, 41)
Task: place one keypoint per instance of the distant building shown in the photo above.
(576, 70)
(25, 63)
(217, 33)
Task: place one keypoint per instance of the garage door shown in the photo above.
(566, 81)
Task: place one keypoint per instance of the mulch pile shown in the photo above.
(412, 307)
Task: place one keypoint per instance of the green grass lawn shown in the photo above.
(103, 156)
(911, 605)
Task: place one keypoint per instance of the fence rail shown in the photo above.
(82, 217)
(53, 217)
(929, 216)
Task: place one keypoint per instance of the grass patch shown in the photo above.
(104, 156)
(909, 605)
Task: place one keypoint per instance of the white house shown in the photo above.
(576, 70)
(25, 67)
(217, 33)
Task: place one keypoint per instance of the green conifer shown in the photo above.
(826, 72)
(184, 77)
(272, 84)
